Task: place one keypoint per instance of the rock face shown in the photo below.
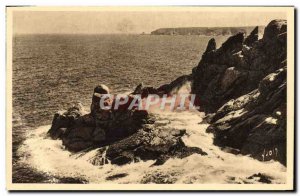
(152, 142)
(252, 38)
(78, 131)
(236, 68)
(243, 87)
(255, 123)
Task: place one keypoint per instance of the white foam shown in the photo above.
(218, 166)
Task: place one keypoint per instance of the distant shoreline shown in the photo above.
(207, 31)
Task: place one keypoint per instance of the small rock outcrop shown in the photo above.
(78, 130)
(168, 89)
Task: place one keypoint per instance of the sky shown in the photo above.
(106, 22)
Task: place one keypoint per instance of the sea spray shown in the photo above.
(218, 166)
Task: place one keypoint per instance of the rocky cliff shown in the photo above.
(242, 86)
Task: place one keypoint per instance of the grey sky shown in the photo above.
(94, 22)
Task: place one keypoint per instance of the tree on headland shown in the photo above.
(125, 26)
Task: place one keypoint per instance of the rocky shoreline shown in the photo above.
(241, 87)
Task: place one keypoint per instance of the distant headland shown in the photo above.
(207, 31)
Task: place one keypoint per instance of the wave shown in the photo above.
(49, 156)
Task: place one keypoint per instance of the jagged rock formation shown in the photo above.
(243, 87)
(252, 38)
(255, 123)
(235, 68)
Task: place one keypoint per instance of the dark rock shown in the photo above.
(78, 138)
(64, 119)
(242, 86)
(174, 86)
(236, 69)
(167, 89)
(138, 89)
(100, 89)
(116, 176)
(274, 29)
(153, 144)
(233, 43)
(253, 37)
(69, 180)
(211, 46)
(256, 122)
(261, 178)
(78, 131)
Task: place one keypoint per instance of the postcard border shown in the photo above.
(156, 187)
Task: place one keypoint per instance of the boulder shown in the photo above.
(64, 119)
(82, 133)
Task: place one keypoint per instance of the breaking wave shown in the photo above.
(50, 157)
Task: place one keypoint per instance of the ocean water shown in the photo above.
(52, 71)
